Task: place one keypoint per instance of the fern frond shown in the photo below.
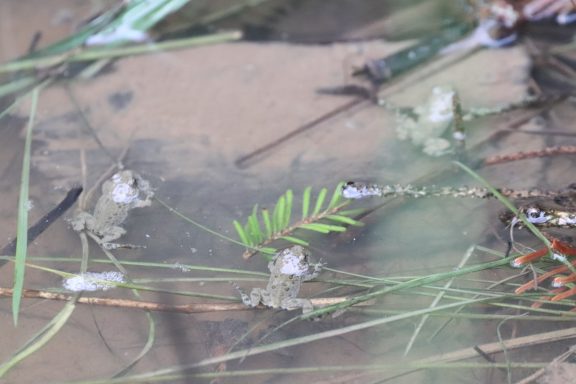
(324, 218)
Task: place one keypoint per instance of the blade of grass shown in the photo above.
(345, 220)
(315, 227)
(306, 202)
(295, 240)
(22, 230)
(101, 53)
(267, 223)
(288, 211)
(320, 201)
(41, 338)
(336, 196)
(241, 233)
(279, 213)
(506, 203)
(436, 300)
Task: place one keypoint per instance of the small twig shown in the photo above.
(159, 307)
(44, 222)
(549, 151)
(246, 160)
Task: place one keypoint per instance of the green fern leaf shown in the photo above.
(267, 223)
(295, 240)
(288, 208)
(315, 227)
(320, 201)
(275, 224)
(336, 196)
(306, 202)
(279, 213)
(242, 234)
(345, 220)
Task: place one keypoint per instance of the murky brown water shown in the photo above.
(186, 117)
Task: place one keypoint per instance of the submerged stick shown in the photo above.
(159, 307)
(44, 222)
(357, 190)
(549, 151)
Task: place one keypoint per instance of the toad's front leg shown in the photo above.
(317, 269)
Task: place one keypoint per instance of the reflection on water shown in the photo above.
(216, 104)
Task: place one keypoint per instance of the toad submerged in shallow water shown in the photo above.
(121, 193)
(288, 269)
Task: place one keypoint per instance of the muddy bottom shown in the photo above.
(203, 126)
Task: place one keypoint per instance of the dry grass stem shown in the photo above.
(159, 307)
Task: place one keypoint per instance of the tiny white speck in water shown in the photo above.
(181, 267)
(559, 257)
(460, 136)
(557, 284)
(147, 236)
(93, 281)
(29, 205)
(515, 264)
(193, 250)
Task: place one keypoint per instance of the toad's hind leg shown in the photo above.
(256, 296)
(295, 303)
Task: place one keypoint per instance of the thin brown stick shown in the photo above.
(549, 151)
(159, 307)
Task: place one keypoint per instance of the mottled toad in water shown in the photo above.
(288, 269)
(124, 191)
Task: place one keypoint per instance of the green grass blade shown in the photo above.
(306, 202)
(345, 220)
(255, 232)
(295, 240)
(268, 250)
(288, 212)
(320, 201)
(22, 230)
(267, 222)
(278, 215)
(505, 202)
(16, 85)
(334, 228)
(315, 227)
(336, 196)
(147, 347)
(41, 338)
(241, 233)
